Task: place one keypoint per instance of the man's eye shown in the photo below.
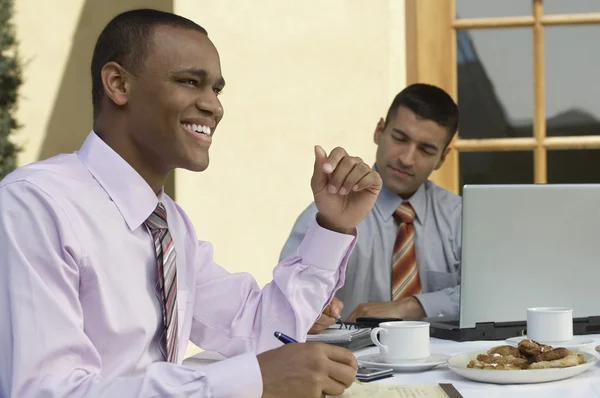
(191, 82)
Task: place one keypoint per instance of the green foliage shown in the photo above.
(10, 80)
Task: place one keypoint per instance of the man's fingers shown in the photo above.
(322, 323)
(334, 308)
(319, 178)
(343, 374)
(343, 170)
(371, 180)
(341, 173)
(341, 355)
(335, 157)
(360, 172)
(326, 320)
(316, 329)
(333, 388)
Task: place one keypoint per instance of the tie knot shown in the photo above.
(158, 218)
(405, 213)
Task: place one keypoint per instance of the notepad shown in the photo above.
(352, 339)
(376, 390)
(336, 334)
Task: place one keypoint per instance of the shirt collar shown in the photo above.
(387, 202)
(127, 189)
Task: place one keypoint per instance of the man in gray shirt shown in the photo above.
(412, 142)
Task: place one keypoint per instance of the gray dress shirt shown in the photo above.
(437, 245)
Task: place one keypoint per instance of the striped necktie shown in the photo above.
(405, 275)
(167, 279)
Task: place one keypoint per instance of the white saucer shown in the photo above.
(576, 342)
(375, 360)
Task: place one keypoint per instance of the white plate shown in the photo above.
(458, 364)
(577, 342)
(375, 360)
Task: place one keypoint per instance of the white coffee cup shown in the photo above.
(402, 341)
(550, 324)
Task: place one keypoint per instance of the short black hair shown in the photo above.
(126, 39)
(428, 102)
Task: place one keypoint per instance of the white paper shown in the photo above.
(368, 390)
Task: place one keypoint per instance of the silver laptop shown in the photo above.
(527, 246)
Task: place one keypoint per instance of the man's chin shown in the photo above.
(196, 166)
(402, 190)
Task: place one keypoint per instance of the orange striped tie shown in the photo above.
(405, 275)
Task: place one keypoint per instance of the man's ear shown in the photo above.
(378, 130)
(116, 82)
(440, 162)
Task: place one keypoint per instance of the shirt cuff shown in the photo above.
(237, 376)
(324, 248)
(436, 303)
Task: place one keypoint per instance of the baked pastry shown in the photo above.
(528, 355)
(518, 362)
(506, 350)
(530, 347)
(565, 362)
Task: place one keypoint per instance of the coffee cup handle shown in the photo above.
(375, 340)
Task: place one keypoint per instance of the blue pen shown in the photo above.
(283, 338)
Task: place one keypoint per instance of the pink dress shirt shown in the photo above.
(79, 313)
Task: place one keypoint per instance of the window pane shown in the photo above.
(495, 83)
(495, 167)
(572, 84)
(486, 8)
(571, 6)
(579, 166)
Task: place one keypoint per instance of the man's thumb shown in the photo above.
(319, 175)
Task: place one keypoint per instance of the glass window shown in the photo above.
(571, 6)
(495, 83)
(572, 84)
(574, 166)
(514, 167)
(487, 8)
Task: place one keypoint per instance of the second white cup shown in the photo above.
(550, 324)
(402, 341)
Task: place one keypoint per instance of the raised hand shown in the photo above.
(345, 189)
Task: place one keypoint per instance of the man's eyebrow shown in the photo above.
(201, 74)
(402, 133)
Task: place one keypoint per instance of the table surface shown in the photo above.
(586, 384)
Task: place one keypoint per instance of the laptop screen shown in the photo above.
(529, 246)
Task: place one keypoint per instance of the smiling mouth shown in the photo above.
(199, 129)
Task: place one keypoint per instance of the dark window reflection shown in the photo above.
(495, 168)
(581, 166)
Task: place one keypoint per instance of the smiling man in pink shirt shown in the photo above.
(102, 279)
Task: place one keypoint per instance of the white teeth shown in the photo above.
(197, 128)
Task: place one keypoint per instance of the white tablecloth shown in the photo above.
(585, 385)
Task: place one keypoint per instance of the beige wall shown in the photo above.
(56, 40)
(298, 74)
